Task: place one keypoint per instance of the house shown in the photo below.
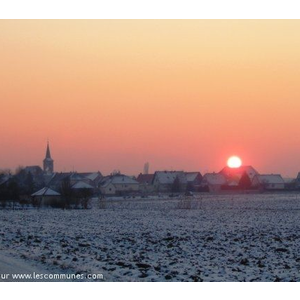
(107, 188)
(93, 178)
(145, 178)
(233, 175)
(290, 183)
(81, 185)
(213, 181)
(145, 183)
(119, 184)
(164, 181)
(56, 180)
(193, 180)
(268, 182)
(46, 196)
(83, 190)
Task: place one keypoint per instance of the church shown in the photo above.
(48, 166)
(48, 162)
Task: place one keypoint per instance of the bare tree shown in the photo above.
(66, 192)
(85, 197)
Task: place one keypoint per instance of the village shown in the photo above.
(44, 186)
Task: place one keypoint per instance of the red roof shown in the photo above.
(145, 178)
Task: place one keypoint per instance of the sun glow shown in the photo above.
(234, 162)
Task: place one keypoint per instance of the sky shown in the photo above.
(179, 94)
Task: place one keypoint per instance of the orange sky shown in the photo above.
(179, 94)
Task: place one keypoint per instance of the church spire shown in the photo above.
(48, 155)
(48, 161)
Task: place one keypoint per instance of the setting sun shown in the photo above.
(234, 162)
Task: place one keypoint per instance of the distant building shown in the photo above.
(193, 180)
(145, 178)
(290, 183)
(233, 175)
(82, 189)
(268, 182)
(118, 184)
(145, 183)
(92, 178)
(213, 181)
(46, 196)
(48, 162)
(163, 181)
(107, 188)
(81, 185)
(56, 180)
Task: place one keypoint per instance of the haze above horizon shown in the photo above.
(180, 94)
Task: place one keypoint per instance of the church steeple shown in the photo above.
(48, 155)
(48, 161)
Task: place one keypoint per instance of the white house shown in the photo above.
(91, 178)
(269, 182)
(214, 181)
(107, 188)
(46, 195)
(79, 185)
(82, 188)
(118, 184)
(163, 181)
(193, 180)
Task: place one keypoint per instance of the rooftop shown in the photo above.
(46, 192)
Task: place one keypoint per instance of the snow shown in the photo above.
(214, 178)
(270, 178)
(11, 265)
(46, 192)
(191, 176)
(119, 179)
(81, 185)
(221, 238)
(92, 176)
(168, 177)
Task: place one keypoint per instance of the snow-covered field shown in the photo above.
(221, 238)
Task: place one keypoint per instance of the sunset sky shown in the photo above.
(177, 94)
